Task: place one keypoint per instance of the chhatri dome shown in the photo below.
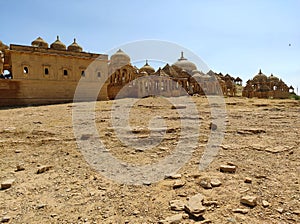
(58, 45)
(147, 68)
(260, 77)
(39, 42)
(120, 56)
(74, 47)
(185, 64)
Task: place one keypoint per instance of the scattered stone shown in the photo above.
(40, 206)
(85, 136)
(5, 219)
(249, 201)
(241, 210)
(43, 169)
(251, 131)
(174, 219)
(205, 184)
(135, 212)
(178, 107)
(173, 176)
(280, 210)
(194, 206)
(20, 167)
(248, 180)
(7, 184)
(213, 126)
(207, 221)
(215, 182)
(177, 205)
(210, 203)
(178, 184)
(227, 168)
(18, 151)
(265, 203)
(147, 183)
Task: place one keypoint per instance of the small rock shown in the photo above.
(210, 203)
(249, 201)
(174, 219)
(227, 168)
(240, 210)
(5, 219)
(173, 176)
(7, 184)
(205, 184)
(147, 183)
(280, 210)
(18, 151)
(178, 184)
(265, 203)
(215, 182)
(194, 206)
(248, 180)
(176, 205)
(213, 126)
(173, 107)
(43, 169)
(135, 212)
(40, 206)
(20, 167)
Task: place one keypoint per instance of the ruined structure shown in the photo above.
(172, 80)
(262, 86)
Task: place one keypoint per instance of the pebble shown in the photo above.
(43, 169)
(20, 167)
(177, 205)
(174, 219)
(215, 182)
(280, 210)
(213, 126)
(240, 210)
(228, 168)
(7, 184)
(248, 180)
(205, 184)
(173, 176)
(194, 205)
(249, 201)
(5, 219)
(178, 184)
(265, 203)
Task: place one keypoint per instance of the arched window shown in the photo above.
(46, 71)
(82, 74)
(25, 70)
(65, 72)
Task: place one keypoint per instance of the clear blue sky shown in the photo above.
(231, 36)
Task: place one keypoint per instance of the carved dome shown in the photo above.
(39, 42)
(260, 77)
(273, 78)
(185, 64)
(58, 45)
(74, 47)
(147, 68)
(120, 56)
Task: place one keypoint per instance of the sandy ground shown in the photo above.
(261, 140)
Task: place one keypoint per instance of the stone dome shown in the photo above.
(58, 45)
(273, 78)
(147, 68)
(260, 77)
(185, 64)
(120, 56)
(39, 42)
(74, 47)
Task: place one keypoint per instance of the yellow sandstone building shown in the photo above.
(43, 74)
